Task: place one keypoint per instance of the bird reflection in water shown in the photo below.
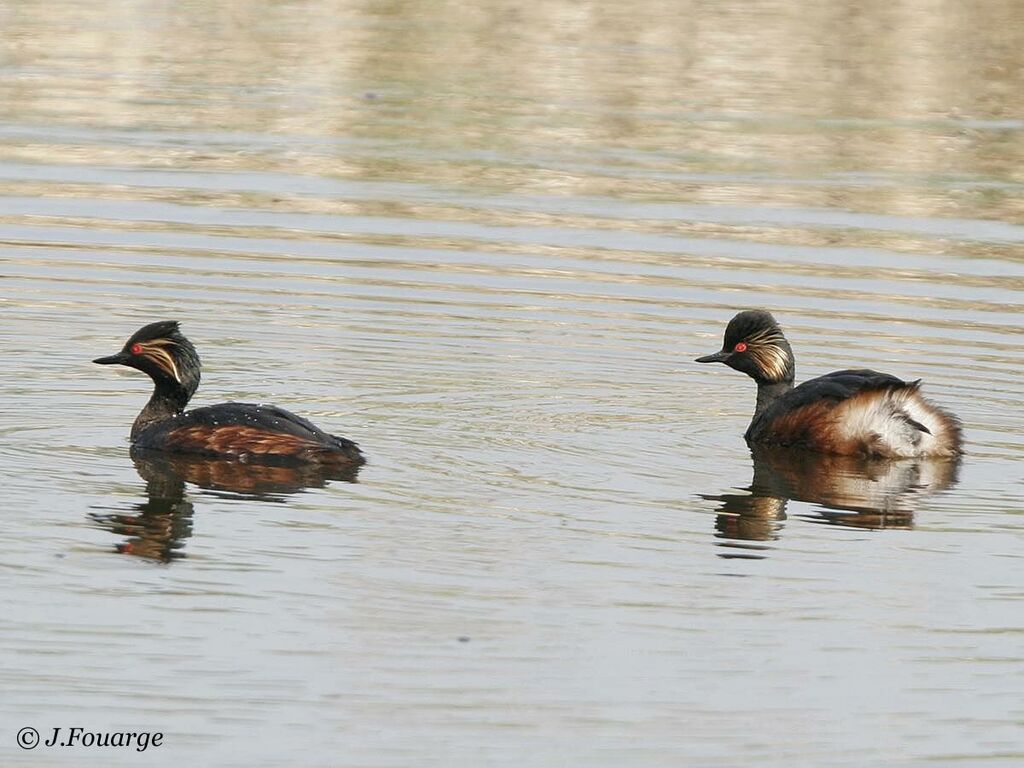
(852, 491)
(156, 529)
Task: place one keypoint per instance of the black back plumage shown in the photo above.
(247, 418)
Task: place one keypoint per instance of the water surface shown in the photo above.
(487, 243)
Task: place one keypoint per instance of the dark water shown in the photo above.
(487, 243)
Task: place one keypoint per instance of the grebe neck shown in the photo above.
(768, 392)
(165, 402)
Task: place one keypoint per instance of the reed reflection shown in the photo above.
(852, 491)
(156, 529)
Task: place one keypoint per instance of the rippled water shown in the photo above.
(487, 244)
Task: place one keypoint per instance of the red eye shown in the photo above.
(136, 349)
(740, 347)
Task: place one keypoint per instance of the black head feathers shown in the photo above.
(754, 344)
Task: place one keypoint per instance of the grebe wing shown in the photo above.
(833, 388)
(841, 412)
(246, 429)
(841, 385)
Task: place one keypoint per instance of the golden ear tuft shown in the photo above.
(156, 350)
(772, 359)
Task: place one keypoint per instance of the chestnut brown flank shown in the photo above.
(817, 426)
(811, 426)
(236, 440)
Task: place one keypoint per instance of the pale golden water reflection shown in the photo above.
(850, 491)
(158, 527)
(485, 242)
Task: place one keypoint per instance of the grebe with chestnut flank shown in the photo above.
(847, 412)
(240, 431)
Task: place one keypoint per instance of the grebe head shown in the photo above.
(160, 350)
(755, 345)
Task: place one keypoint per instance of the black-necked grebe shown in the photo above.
(242, 431)
(845, 412)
